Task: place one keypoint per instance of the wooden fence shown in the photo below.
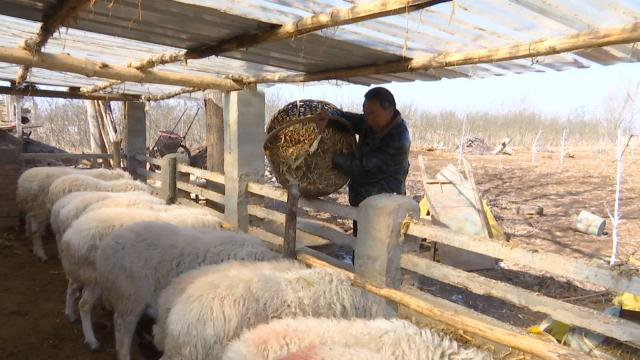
(268, 223)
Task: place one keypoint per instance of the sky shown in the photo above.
(557, 94)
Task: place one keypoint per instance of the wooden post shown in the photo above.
(116, 156)
(169, 191)
(214, 120)
(135, 136)
(290, 223)
(244, 124)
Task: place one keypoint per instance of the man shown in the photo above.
(380, 163)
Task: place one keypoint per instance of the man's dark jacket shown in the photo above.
(381, 161)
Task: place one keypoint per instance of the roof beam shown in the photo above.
(332, 18)
(68, 63)
(61, 12)
(582, 40)
(32, 90)
(305, 25)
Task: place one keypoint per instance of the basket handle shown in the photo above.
(309, 118)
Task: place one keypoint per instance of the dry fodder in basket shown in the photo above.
(303, 153)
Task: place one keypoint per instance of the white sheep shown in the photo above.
(328, 352)
(137, 261)
(77, 182)
(200, 314)
(33, 190)
(70, 207)
(394, 339)
(81, 241)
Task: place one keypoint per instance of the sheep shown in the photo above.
(33, 190)
(80, 245)
(137, 261)
(395, 339)
(200, 313)
(333, 353)
(71, 206)
(76, 183)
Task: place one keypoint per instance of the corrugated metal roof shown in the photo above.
(163, 25)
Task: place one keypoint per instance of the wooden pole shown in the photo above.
(214, 124)
(35, 92)
(291, 219)
(598, 37)
(116, 156)
(67, 63)
(331, 18)
(61, 13)
(527, 343)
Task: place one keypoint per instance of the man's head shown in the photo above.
(379, 107)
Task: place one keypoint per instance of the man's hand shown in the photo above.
(323, 119)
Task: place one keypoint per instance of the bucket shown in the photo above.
(589, 223)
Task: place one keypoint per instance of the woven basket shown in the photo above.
(298, 151)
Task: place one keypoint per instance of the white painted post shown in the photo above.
(380, 241)
(564, 133)
(244, 134)
(462, 136)
(615, 218)
(534, 147)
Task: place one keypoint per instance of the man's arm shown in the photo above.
(356, 121)
(378, 161)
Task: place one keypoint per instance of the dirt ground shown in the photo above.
(33, 326)
(32, 321)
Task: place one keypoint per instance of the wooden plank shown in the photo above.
(205, 193)
(315, 228)
(595, 273)
(271, 192)
(458, 319)
(266, 236)
(592, 38)
(62, 156)
(6, 222)
(149, 174)
(599, 322)
(205, 174)
(148, 159)
(89, 68)
(212, 212)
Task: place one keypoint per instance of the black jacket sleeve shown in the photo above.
(387, 157)
(356, 120)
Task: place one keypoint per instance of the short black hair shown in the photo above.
(383, 96)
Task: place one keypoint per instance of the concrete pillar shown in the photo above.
(380, 241)
(135, 136)
(244, 133)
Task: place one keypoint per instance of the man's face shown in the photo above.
(377, 117)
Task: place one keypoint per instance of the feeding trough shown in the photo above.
(298, 151)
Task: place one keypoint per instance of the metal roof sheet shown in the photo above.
(163, 25)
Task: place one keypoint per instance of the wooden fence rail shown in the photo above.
(205, 193)
(149, 175)
(614, 327)
(63, 156)
(205, 174)
(315, 204)
(595, 273)
(150, 160)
